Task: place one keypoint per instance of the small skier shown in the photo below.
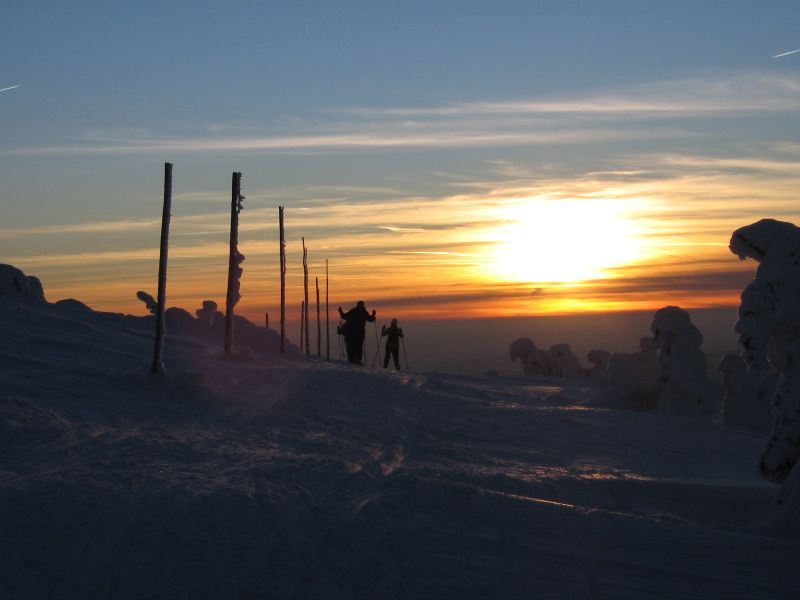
(355, 320)
(393, 334)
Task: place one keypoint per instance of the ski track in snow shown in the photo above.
(282, 477)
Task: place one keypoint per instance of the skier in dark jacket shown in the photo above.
(393, 334)
(355, 320)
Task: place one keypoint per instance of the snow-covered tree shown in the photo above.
(769, 331)
(558, 361)
(598, 358)
(683, 388)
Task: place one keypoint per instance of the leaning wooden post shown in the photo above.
(319, 326)
(158, 354)
(235, 258)
(283, 280)
(305, 291)
(302, 321)
(327, 317)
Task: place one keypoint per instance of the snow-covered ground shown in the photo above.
(282, 477)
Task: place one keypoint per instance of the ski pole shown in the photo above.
(377, 343)
(404, 352)
(377, 355)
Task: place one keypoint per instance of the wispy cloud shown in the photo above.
(351, 142)
(13, 87)
(634, 113)
(401, 229)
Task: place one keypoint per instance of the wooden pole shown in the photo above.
(319, 323)
(266, 318)
(327, 317)
(235, 258)
(305, 290)
(302, 322)
(158, 354)
(283, 280)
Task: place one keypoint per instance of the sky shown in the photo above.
(449, 159)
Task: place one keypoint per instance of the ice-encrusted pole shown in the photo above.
(319, 323)
(235, 258)
(158, 354)
(283, 280)
(305, 292)
(327, 318)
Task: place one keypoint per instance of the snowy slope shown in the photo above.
(280, 477)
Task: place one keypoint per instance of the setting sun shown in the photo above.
(565, 240)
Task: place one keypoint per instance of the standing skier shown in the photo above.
(353, 329)
(393, 334)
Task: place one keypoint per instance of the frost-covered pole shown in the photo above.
(302, 322)
(305, 290)
(158, 354)
(235, 258)
(327, 317)
(283, 280)
(319, 323)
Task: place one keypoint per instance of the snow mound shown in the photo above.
(16, 286)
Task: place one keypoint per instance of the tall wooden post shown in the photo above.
(158, 354)
(305, 290)
(319, 325)
(302, 322)
(283, 280)
(327, 317)
(235, 258)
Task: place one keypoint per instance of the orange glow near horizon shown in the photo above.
(554, 248)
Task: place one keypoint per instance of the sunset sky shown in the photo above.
(450, 159)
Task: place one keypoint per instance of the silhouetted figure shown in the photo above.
(355, 320)
(393, 334)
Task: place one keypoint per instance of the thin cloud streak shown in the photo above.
(355, 142)
(13, 87)
(787, 53)
(123, 225)
(688, 97)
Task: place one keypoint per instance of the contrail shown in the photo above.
(776, 56)
(10, 88)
